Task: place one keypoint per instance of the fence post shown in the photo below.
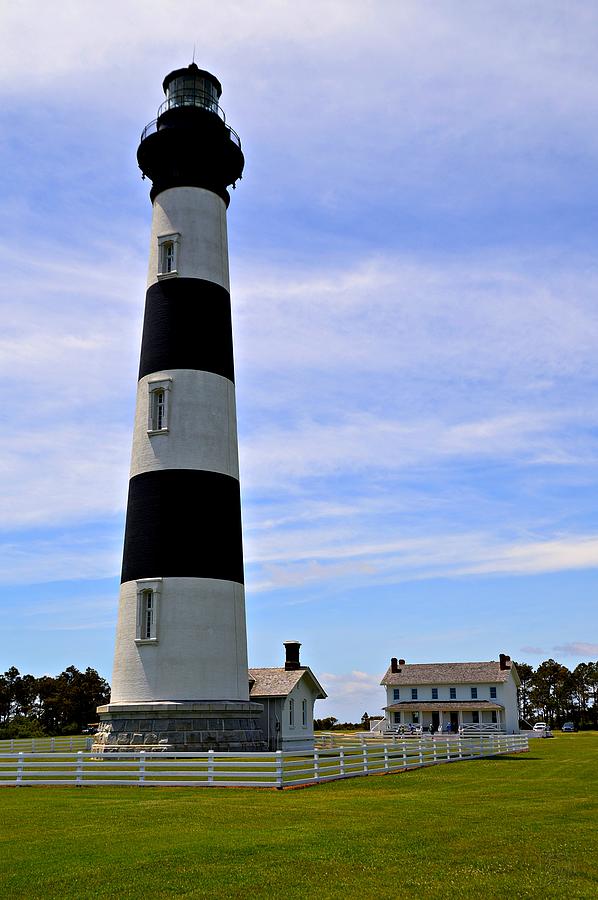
(279, 769)
(141, 766)
(341, 758)
(386, 766)
(404, 754)
(52, 744)
(79, 771)
(71, 746)
(365, 760)
(20, 764)
(421, 752)
(316, 765)
(12, 745)
(460, 748)
(88, 743)
(33, 745)
(434, 749)
(210, 767)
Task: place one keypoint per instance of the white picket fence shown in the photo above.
(47, 744)
(220, 769)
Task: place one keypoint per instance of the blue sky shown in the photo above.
(415, 303)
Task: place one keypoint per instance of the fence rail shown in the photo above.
(46, 744)
(219, 769)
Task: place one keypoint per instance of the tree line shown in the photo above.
(554, 694)
(50, 705)
(66, 703)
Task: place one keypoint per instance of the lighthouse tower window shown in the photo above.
(148, 594)
(168, 255)
(157, 420)
(148, 619)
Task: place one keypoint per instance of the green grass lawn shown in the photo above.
(522, 825)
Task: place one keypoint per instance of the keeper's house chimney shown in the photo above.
(291, 662)
(505, 661)
(394, 665)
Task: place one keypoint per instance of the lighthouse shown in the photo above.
(180, 678)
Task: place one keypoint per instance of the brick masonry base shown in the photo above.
(180, 727)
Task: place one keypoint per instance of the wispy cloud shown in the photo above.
(348, 692)
(577, 648)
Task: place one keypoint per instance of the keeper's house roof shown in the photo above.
(279, 682)
(450, 673)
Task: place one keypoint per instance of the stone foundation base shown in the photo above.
(230, 725)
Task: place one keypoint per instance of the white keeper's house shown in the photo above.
(288, 694)
(452, 696)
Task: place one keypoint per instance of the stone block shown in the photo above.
(123, 738)
(150, 738)
(137, 738)
(215, 724)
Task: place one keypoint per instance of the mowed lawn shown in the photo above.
(523, 826)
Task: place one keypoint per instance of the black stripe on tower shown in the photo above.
(187, 325)
(185, 523)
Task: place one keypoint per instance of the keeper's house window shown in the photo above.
(493, 693)
(158, 402)
(493, 713)
(414, 693)
(397, 718)
(148, 594)
(168, 255)
(474, 693)
(434, 693)
(475, 717)
(453, 693)
(304, 713)
(396, 694)
(292, 713)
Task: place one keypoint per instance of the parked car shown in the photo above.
(541, 730)
(568, 726)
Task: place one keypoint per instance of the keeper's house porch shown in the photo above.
(447, 716)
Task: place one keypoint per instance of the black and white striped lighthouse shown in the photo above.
(180, 675)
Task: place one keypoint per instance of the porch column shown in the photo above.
(440, 721)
